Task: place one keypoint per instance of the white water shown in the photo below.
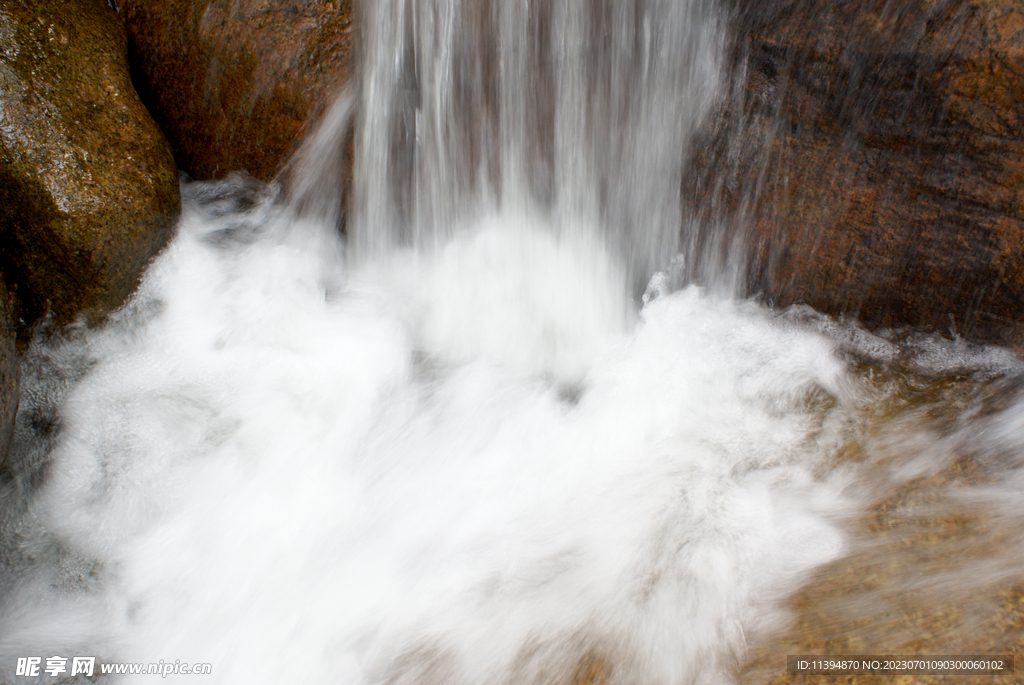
(459, 454)
(358, 487)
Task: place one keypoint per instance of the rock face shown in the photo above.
(88, 185)
(871, 154)
(9, 372)
(234, 83)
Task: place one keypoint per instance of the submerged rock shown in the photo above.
(88, 187)
(235, 83)
(873, 151)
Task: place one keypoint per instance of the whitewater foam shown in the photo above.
(267, 456)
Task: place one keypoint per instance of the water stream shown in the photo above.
(494, 435)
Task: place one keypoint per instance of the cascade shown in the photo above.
(494, 432)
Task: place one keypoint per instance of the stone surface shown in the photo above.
(88, 186)
(9, 372)
(235, 83)
(871, 154)
(892, 591)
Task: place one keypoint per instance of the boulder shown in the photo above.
(869, 156)
(235, 83)
(88, 186)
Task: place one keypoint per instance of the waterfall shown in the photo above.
(453, 446)
(576, 111)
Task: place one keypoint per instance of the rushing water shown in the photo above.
(457, 447)
(574, 110)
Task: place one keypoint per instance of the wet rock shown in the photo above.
(88, 186)
(870, 153)
(9, 372)
(234, 83)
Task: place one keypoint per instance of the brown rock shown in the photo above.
(234, 83)
(871, 152)
(88, 186)
(9, 372)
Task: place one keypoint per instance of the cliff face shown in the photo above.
(871, 153)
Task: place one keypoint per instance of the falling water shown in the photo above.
(452, 447)
(577, 111)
